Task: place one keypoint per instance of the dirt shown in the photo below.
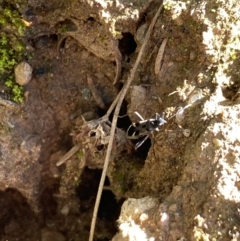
(183, 181)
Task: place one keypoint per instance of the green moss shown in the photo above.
(80, 154)
(12, 29)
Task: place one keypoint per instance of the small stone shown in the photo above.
(186, 132)
(65, 210)
(217, 142)
(173, 208)
(141, 32)
(144, 217)
(23, 73)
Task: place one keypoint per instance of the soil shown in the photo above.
(183, 182)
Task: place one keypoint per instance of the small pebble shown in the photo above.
(141, 32)
(23, 73)
(186, 132)
(65, 210)
(86, 94)
(217, 142)
(173, 208)
(144, 217)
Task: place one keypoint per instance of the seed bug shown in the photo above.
(144, 128)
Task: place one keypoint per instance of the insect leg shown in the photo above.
(132, 136)
(129, 129)
(141, 142)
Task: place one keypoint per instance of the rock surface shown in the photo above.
(193, 180)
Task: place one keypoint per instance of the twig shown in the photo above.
(68, 155)
(8, 103)
(60, 41)
(119, 101)
(160, 56)
(118, 59)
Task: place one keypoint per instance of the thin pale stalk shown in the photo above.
(120, 99)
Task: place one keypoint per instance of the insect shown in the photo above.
(144, 128)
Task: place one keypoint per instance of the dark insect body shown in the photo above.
(144, 128)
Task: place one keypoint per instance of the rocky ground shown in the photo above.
(183, 183)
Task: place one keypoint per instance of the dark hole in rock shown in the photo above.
(41, 70)
(90, 19)
(109, 208)
(123, 121)
(142, 151)
(87, 189)
(11, 6)
(100, 112)
(103, 239)
(29, 12)
(16, 215)
(144, 144)
(127, 44)
(100, 147)
(66, 139)
(230, 91)
(62, 43)
(44, 41)
(48, 202)
(66, 26)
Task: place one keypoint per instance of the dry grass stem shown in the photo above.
(118, 102)
(68, 155)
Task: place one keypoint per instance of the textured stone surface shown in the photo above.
(23, 73)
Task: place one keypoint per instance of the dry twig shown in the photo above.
(118, 59)
(8, 103)
(118, 102)
(68, 155)
(160, 56)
